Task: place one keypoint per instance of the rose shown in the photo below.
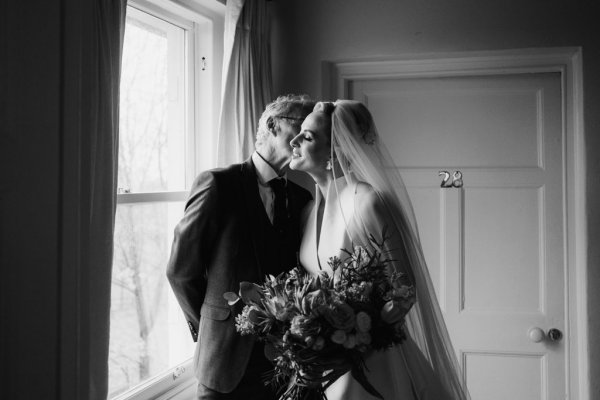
(339, 315)
(350, 341)
(363, 322)
(338, 337)
(304, 327)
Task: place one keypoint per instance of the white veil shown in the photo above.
(362, 156)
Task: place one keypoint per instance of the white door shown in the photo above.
(495, 246)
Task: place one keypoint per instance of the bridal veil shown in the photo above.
(361, 156)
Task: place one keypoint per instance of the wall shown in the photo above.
(307, 32)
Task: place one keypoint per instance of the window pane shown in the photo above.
(148, 333)
(152, 108)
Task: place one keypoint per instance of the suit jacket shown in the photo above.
(223, 239)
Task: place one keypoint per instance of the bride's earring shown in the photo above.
(328, 166)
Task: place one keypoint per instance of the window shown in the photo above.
(160, 152)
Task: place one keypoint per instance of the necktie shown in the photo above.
(279, 206)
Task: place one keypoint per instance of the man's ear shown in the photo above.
(271, 125)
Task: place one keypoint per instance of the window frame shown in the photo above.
(203, 21)
(171, 384)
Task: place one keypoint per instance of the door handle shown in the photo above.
(555, 335)
(536, 335)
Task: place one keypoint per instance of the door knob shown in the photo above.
(555, 335)
(537, 335)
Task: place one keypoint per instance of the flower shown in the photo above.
(361, 257)
(285, 313)
(339, 336)
(340, 316)
(350, 341)
(335, 262)
(303, 327)
(250, 292)
(317, 328)
(245, 323)
(315, 299)
(363, 322)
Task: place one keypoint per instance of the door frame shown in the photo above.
(567, 61)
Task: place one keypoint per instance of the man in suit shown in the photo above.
(240, 223)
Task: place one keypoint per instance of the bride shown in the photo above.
(359, 193)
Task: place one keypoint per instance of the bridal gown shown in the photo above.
(401, 372)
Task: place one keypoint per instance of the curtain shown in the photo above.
(102, 132)
(246, 85)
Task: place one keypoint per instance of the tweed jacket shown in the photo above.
(224, 238)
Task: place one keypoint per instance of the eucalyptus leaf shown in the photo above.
(231, 298)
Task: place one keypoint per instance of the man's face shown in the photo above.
(289, 127)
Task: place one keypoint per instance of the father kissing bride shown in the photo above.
(240, 223)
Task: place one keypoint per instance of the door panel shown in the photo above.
(502, 251)
(501, 376)
(494, 247)
(468, 121)
(427, 204)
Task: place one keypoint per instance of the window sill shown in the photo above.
(177, 383)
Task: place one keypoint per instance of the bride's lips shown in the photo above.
(295, 155)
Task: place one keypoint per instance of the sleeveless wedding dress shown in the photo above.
(401, 372)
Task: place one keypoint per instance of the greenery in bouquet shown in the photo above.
(317, 328)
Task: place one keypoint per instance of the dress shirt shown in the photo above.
(264, 173)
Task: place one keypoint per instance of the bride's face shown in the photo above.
(312, 146)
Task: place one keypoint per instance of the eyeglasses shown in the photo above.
(291, 118)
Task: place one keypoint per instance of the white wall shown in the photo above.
(307, 32)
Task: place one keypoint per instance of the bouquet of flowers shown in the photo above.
(317, 328)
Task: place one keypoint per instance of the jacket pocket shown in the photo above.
(215, 312)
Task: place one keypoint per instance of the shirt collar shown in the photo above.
(264, 171)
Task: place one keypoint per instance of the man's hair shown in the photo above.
(282, 106)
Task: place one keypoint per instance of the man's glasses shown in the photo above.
(295, 122)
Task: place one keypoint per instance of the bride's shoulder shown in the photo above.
(366, 198)
(364, 189)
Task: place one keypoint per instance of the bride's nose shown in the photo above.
(294, 141)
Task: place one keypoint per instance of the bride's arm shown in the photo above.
(377, 218)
